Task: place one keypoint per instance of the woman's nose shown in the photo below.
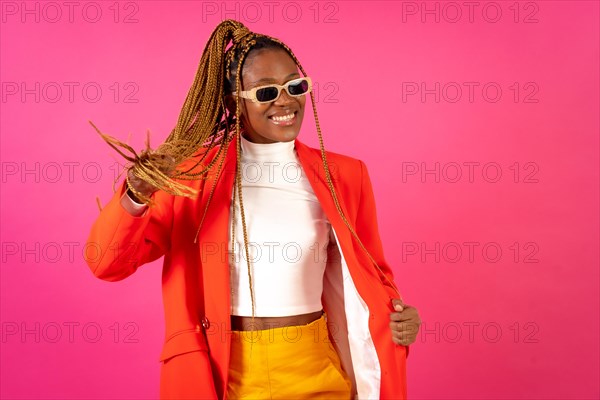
(284, 98)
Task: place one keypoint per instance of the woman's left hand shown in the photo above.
(405, 323)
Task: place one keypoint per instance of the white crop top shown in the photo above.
(288, 234)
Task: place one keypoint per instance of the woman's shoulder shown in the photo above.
(334, 157)
(203, 156)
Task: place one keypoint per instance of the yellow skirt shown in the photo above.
(291, 362)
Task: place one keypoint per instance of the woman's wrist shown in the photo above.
(133, 197)
(131, 194)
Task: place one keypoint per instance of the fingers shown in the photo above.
(404, 324)
(166, 165)
(398, 305)
(409, 314)
(404, 333)
(167, 157)
(400, 338)
(397, 317)
(403, 342)
(405, 327)
(140, 185)
(404, 338)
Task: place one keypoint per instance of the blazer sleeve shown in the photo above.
(367, 230)
(119, 243)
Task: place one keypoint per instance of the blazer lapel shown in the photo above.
(213, 236)
(314, 169)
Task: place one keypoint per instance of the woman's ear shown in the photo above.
(230, 103)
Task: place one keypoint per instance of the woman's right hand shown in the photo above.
(145, 188)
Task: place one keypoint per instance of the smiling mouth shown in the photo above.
(284, 120)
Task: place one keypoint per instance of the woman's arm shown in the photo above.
(367, 230)
(404, 320)
(120, 242)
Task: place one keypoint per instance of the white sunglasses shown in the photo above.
(269, 93)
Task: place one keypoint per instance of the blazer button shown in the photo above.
(205, 323)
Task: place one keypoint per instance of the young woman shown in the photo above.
(274, 281)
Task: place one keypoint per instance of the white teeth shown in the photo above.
(284, 118)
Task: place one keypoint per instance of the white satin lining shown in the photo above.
(348, 315)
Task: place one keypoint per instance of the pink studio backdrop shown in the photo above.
(479, 125)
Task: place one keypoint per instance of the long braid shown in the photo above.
(199, 121)
(238, 174)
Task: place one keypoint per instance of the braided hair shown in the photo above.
(204, 122)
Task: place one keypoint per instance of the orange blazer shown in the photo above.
(195, 277)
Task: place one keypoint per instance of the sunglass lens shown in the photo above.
(266, 94)
(298, 88)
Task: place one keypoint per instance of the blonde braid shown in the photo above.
(238, 176)
(199, 121)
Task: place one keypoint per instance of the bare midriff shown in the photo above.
(243, 323)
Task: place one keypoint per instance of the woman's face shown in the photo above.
(264, 67)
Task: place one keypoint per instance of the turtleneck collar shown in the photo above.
(267, 151)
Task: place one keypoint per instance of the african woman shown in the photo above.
(274, 281)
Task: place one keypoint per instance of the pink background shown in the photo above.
(520, 325)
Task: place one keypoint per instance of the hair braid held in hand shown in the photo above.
(204, 122)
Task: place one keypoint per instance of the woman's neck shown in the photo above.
(267, 151)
